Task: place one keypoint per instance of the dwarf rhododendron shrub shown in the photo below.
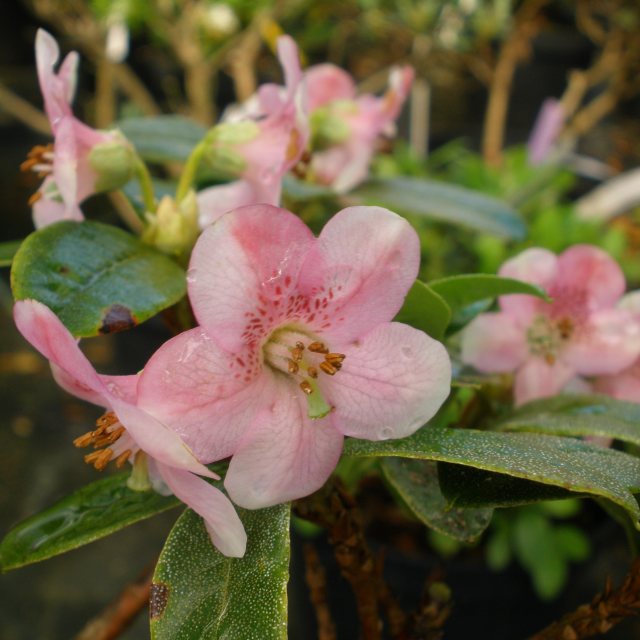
(546, 344)
(296, 348)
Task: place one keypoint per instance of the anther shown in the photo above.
(34, 198)
(122, 458)
(296, 354)
(305, 385)
(108, 438)
(550, 359)
(328, 368)
(300, 346)
(335, 358)
(107, 419)
(99, 459)
(292, 366)
(312, 371)
(318, 347)
(84, 440)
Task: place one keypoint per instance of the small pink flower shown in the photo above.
(581, 332)
(126, 430)
(545, 131)
(276, 117)
(296, 348)
(346, 128)
(69, 175)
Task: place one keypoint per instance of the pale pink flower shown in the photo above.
(296, 348)
(346, 127)
(546, 130)
(70, 177)
(126, 430)
(271, 142)
(580, 333)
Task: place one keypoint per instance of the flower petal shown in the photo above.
(214, 202)
(537, 379)
(366, 259)
(239, 264)
(207, 395)
(623, 386)
(391, 383)
(494, 343)
(285, 456)
(537, 266)
(221, 520)
(325, 83)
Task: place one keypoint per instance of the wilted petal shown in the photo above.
(392, 382)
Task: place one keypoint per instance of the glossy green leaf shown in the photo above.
(199, 593)
(300, 190)
(95, 277)
(580, 415)
(425, 310)
(461, 291)
(445, 202)
(93, 512)
(416, 482)
(7, 251)
(165, 138)
(560, 462)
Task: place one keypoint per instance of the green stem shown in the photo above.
(146, 185)
(191, 167)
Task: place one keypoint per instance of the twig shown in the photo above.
(315, 577)
(605, 611)
(23, 111)
(120, 613)
(433, 611)
(126, 211)
(105, 109)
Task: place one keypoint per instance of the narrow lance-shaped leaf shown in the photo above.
(199, 593)
(425, 310)
(561, 462)
(416, 483)
(93, 512)
(95, 277)
(445, 202)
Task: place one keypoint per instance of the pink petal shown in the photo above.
(343, 167)
(400, 82)
(207, 395)
(214, 202)
(391, 383)
(609, 343)
(221, 520)
(593, 271)
(494, 343)
(623, 386)
(285, 455)
(545, 131)
(47, 211)
(325, 83)
(537, 379)
(536, 266)
(366, 259)
(242, 260)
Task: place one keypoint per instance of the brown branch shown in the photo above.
(315, 577)
(433, 611)
(606, 610)
(120, 613)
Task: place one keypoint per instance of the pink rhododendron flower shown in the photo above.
(626, 384)
(296, 348)
(266, 137)
(126, 432)
(346, 128)
(67, 165)
(581, 332)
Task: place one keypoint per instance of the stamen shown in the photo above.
(328, 368)
(550, 359)
(292, 366)
(313, 372)
(34, 198)
(318, 347)
(122, 458)
(99, 459)
(109, 438)
(335, 358)
(84, 440)
(305, 385)
(296, 353)
(565, 327)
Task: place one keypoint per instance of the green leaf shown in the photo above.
(582, 415)
(166, 138)
(300, 190)
(7, 251)
(416, 482)
(573, 543)
(560, 462)
(425, 310)
(199, 593)
(95, 277)
(93, 512)
(445, 202)
(460, 291)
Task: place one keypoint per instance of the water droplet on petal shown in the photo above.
(385, 433)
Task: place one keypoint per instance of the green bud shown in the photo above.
(328, 128)
(234, 132)
(173, 228)
(113, 163)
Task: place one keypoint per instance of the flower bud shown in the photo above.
(113, 163)
(173, 228)
(223, 156)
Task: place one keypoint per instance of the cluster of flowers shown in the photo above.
(295, 346)
(587, 339)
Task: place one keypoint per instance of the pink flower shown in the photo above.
(581, 332)
(267, 136)
(346, 128)
(70, 176)
(545, 131)
(624, 385)
(126, 431)
(296, 348)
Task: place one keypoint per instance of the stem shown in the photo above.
(146, 185)
(315, 577)
(126, 211)
(191, 167)
(23, 111)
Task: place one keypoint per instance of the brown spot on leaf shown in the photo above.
(117, 317)
(158, 599)
(63, 269)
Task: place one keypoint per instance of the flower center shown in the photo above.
(107, 433)
(545, 336)
(303, 358)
